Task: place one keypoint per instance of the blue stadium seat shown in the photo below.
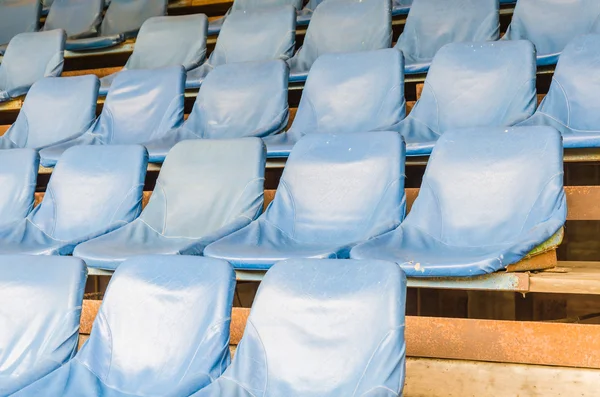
(162, 330)
(236, 100)
(41, 301)
(206, 190)
(489, 84)
(304, 15)
(55, 109)
(122, 19)
(141, 106)
(343, 26)
(256, 35)
(572, 100)
(92, 191)
(432, 24)
(18, 178)
(325, 328)
(551, 25)
(335, 191)
(164, 42)
(29, 58)
(489, 196)
(18, 16)
(79, 19)
(353, 92)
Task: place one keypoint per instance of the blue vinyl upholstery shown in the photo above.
(572, 100)
(551, 24)
(78, 18)
(353, 92)
(162, 330)
(122, 19)
(489, 196)
(335, 191)
(55, 109)
(489, 84)
(92, 191)
(39, 322)
(18, 16)
(206, 189)
(343, 26)
(30, 57)
(18, 178)
(255, 35)
(245, 99)
(432, 24)
(141, 106)
(164, 42)
(322, 328)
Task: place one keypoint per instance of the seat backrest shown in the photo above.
(341, 188)
(79, 18)
(55, 109)
(345, 26)
(18, 178)
(488, 185)
(41, 298)
(431, 24)
(256, 35)
(241, 99)
(31, 57)
(352, 92)
(206, 184)
(92, 188)
(324, 328)
(573, 93)
(142, 105)
(127, 16)
(170, 41)
(245, 5)
(163, 327)
(476, 85)
(18, 16)
(551, 24)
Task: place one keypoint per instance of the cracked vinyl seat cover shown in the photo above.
(18, 178)
(322, 328)
(335, 191)
(92, 191)
(206, 189)
(162, 331)
(489, 196)
(490, 84)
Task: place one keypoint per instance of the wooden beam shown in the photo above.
(569, 278)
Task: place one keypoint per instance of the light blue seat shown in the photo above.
(345, 93)
(162, 330)
(164, 42)
(18, 178)
(489, 84)
(93, 190)
(432, 24)
(245, 99)
(55, 109)
(304, 15)
(41, 300)
(401, 7)
(572, 100)
(343, 26)
(30, 57)
(214, 27)
(335, 191)
(322, 328)
(142, 105)
(260, 34)
(123, 19)
(78, 18)
(18, 16)
(489, 196)
(206, 189)
(551, 25)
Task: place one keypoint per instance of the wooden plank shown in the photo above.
(568, 278)
(453, 378)
(583, 203)
(4, 128)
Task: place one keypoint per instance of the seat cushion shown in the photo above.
(78, 19)
(18, 16)
(18, 178)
